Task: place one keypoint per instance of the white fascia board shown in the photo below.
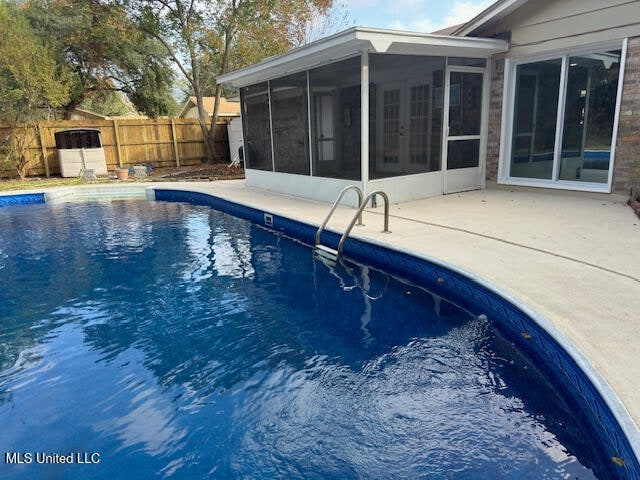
(289, 62)
(412, 43)
(493, 12)
(354, 41)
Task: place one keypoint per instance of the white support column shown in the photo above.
(273, 155)
(484, 125)
(309, 125)
(364, 121)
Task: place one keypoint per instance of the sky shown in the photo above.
(413, 15)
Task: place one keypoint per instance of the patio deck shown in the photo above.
(574, 261)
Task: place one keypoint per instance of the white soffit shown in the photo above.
(354, 41)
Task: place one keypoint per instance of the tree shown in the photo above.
(106, 52)
(216, 36)
(109, 103)
(32, 83)
(323, 23)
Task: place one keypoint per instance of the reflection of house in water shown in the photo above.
(527, 93)
(216, 246)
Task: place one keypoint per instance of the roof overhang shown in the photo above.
(353, 42)
(493, 13)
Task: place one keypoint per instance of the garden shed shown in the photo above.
(80, 150)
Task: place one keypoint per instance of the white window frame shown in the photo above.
(508, 101)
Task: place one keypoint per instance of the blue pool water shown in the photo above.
(166, 340)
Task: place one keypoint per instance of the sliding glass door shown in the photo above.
(592, 86)
(562, 119)
(534, 119)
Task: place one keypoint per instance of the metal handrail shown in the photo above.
(359, 213)
(335, 205)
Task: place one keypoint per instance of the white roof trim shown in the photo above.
(352, 42)
(494, 12)
(187, 105)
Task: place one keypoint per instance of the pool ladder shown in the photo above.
(357, 217)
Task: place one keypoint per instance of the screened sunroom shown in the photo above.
(418, 128)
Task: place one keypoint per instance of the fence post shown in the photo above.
(44, 151)
(118, 153)
(175, 142)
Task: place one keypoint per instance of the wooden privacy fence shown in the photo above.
(164, 142)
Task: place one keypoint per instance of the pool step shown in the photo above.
(326, 253)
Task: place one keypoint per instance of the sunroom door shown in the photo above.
(418, 119)
(463, 110)
(404, 140)
(391, 129)
(325, 134)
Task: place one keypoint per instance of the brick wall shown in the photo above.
(495, 119)
(627, 162)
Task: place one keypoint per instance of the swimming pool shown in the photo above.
(173, 339)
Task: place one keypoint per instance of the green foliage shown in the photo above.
(150, 87)
(56, 55)
(32, 80)
(32, 83)
(106, 51)
(208, 38)
(107, 102)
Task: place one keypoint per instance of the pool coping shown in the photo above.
(289, 226)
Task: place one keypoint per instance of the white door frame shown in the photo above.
(465, 178)
(404, 146)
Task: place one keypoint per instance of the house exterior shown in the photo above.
(540, 93)
(228, 109)
(80, 114)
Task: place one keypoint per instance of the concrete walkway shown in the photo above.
(574, 261)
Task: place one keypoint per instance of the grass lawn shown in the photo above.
(200, 172)
(35, 183)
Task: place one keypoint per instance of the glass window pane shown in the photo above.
(467, 62)
(290, 121)
(465, 103)
(419, 147)
(463, 154)
(534, 119)
(335, 116)
(325, 126)
(391, 126)
(592, 86)
(256, 127)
